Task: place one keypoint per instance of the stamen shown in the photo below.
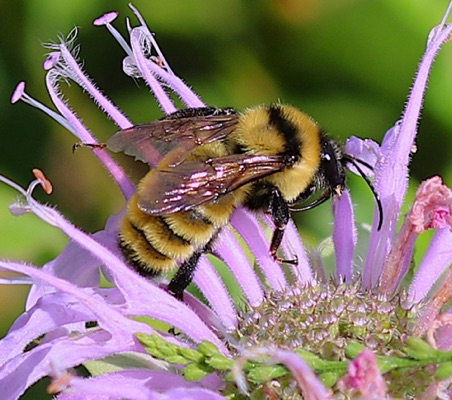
(13, 184)
(186, 94)
(64, 62)
(45, 183)
(152, 41)
(438, 29)
(19, 94)
(52, 60)
(19, 207)
(106, 20)
(16, 280)
(137, 39)
(158, 65)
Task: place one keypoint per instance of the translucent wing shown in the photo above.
(176, 135)
(193, 183)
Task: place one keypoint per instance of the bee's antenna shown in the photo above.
(356, 162)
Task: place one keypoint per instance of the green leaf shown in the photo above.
(444, 371)
(354, 349)
(314, 361)
(264, 373)
(329, 379)
(419, 349)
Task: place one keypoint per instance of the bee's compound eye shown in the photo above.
(332, 167)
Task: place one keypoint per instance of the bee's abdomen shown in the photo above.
(141, 255)
(155, 244)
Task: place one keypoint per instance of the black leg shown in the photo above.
(280, 214)
(184, 276)
(76, 146)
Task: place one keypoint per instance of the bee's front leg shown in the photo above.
(280, 215)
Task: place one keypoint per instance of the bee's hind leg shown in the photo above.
(184, 276)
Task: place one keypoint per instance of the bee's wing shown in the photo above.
(151, 142)
(193, 183)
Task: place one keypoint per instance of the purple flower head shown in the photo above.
(291, 331)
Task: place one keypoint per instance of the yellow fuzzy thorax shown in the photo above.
(258, 136)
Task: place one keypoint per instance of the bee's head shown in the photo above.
(332, 166)
(330, 177)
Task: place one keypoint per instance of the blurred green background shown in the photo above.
(348, 63)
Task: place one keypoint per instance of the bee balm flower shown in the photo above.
(293, 333)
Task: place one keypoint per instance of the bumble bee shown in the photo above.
(208, 161)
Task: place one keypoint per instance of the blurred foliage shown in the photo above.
(348, 63)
